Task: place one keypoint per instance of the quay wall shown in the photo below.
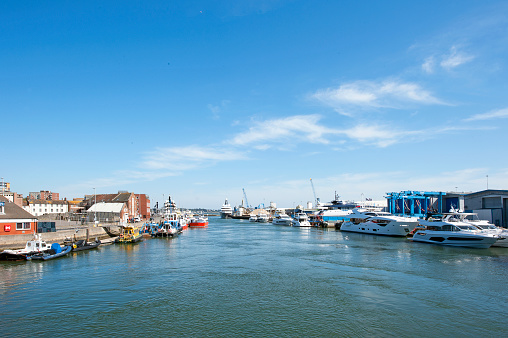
(19, 241)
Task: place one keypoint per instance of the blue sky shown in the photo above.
(199, 99)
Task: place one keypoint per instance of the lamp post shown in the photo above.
(487, 182)
(95, 210)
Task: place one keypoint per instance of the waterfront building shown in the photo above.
(14, 220)
(109, 212)
(143, 206)
(44, 195)
(135, 206)
(46, 207)
(490, 205)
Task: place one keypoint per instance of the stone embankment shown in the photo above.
(63, 231)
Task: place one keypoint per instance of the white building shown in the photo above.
(42, 207)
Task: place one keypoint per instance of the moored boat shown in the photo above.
(262, 218)
(448, 229)
(281, 219)
(301, 220)
(55, 252)
(33, 246)
(452, 235)
(226, 210)
(129, 235)
(379, 223)
(85, 245)
(198, 222)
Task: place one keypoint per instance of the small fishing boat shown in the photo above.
(148, 229)
(55, 252)
(129, 235)
(167, 229)
(85, 245)
(198, 222)
(33, 246)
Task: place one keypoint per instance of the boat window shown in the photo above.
(466, 227)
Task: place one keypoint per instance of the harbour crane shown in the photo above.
(245, 196)
(314, 191)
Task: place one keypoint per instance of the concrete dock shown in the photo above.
(77, 232)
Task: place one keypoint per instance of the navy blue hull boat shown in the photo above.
(55, 252)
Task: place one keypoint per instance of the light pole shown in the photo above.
(95, 209)
(487, 182)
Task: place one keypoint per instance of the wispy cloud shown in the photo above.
(429, 64)
(371, 94)
(296, 128)
(496, 114)
(188, 157)
(216, 109)
(455, 58)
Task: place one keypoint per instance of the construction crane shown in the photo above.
(314, 191)
(245, 196)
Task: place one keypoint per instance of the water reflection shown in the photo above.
(240, 278)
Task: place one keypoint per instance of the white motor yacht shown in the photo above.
(262, 218)
(379, 223)
(301, 220)
(253, 218)
(486, 227)
(449, 229)
(226, 210)
(282, 219)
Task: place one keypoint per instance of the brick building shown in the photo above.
(14, 220)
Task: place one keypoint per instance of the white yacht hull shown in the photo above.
(303, 224)
(281, 222)
(393, 228)
(455, 238)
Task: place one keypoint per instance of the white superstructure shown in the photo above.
(282, 219)
(379, 223)
(449, 229)
(301, 220)
(226, 211)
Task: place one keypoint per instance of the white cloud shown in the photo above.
(189, 157)
(428, 65)
(370, 94)
(216, 109)
(378, 135)
(293, 128)
(497, 114)
(455, 58)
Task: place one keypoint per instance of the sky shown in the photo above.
(201, 99)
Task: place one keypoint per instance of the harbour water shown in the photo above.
(237, 278)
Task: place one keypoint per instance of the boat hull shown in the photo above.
(468, 240)
(399, 229)
(47, 257)
(198, 224)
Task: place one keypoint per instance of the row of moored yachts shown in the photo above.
(453, 229)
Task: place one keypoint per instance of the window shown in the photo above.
(19, 226)
(26, 226)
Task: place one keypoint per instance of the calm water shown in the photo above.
(246, 279)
